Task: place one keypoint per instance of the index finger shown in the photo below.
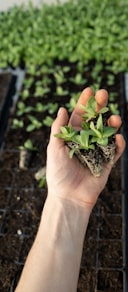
(76, 116)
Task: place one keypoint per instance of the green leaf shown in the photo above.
(77, 139)
(42, 182)
(71, 152)
(104, 110)
(85, 125)
(92, 146)
(99, 123)
(102, 141)
(30, 128)
(89, 108)
(28, 144)
(109, 131)
(84, 138)
(91, 104)
(95, 131)
(64, 130)
(48, 121)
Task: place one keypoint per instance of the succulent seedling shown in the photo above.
(91, 139)
(90, 109)
(101, 134)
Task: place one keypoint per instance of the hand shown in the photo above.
(66, 177)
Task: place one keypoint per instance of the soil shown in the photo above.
(21, 204)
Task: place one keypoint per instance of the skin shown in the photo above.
(54, 260)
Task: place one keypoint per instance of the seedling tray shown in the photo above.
(104, 261)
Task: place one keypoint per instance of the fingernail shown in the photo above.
(59, 111)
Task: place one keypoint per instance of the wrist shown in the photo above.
(68, 218)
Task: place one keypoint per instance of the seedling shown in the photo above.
(34, 125)
(72, 102)
(90, 109)
(78, 79)
(59, 77)
(67, 133)
(25, 154)
(91, 144)
(25, 94)
(23, 109)
(17, 124)
(28, 145)
(114, 108)
(47, 121)
(60, 91)
(100, 134)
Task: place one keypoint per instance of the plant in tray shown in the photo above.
(94, 144)
(35, 124)
(25, 154)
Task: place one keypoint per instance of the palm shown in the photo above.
(69, 176)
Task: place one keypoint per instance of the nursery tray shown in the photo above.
(103, 262)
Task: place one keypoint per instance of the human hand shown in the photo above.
(66, 177)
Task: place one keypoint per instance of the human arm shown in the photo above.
(54, 260)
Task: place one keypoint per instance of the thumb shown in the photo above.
(61, 120)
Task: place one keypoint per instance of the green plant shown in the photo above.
(67, 133)
(92, 130)
(72, 102)
(28, 145)
(78, 79)
(51, 107)
(22, 109)
(17, 124)
(39, 107)
(114, 108)
(28, 82)
(48, 121)
(90, 109)
(59, 76)
(42, 182)
(100, 134)
(60, 91)
(25, 94)
(37, 39)
(34, 125)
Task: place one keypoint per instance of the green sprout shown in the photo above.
(100, 134)
(23, 109)
(28, 145)
(17, 124)
(34, 125)
(67, 133)
(92, 130)
(90, 109)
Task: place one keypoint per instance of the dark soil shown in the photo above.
(21, 203)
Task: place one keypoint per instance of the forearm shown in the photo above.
(54, 260)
